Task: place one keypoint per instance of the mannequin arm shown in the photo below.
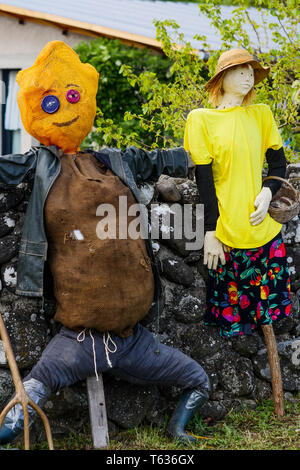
(213, 250)
(207, 192)
(213, 247)
(261, 203)
(277, 167)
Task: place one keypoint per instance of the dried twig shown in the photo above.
(255, 30)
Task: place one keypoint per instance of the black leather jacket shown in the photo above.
(132, 166)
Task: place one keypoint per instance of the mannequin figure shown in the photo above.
(248, 282)
(103, 285)
(237, 83)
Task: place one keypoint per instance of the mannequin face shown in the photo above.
(239, 80)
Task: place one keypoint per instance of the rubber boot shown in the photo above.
(190, 401)
(13, 423)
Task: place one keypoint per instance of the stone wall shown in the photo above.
(238, 368)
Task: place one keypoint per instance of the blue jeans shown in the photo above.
(70, 357)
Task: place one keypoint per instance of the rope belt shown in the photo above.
(106, 340)
(106, 347)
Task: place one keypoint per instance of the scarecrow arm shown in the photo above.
(14, 168)
(150, 165)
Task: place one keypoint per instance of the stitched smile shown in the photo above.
(67, 123)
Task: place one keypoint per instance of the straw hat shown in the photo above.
(235, 57)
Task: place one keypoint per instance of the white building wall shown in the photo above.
(19, 46)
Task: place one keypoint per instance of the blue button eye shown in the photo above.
(50, 104)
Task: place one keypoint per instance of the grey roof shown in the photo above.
(136, 16)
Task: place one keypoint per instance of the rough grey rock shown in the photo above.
(7, 223)
(167, 189)
(169, 225)
(193, 257)
(8, 248)
(292, 170)
(189, 192)
(290, 349)
(236, 375)
(290, 232)
(198, 287)
(246, 346)
(3, 358)
(263, 389)
(287, 324)
(213, 409)
(200, 342)
(290, 261)
(288, 396)
(209, 365)
(202, 269)
(177, 271)
(297, 257)
(67, 400)
(9, 275)
(132, 406)
(161, 408)
(11, 197)
(178, 245)
(241, 404)
(189, 309)
(6, 387)
(27, 330)
(289, 356)
(184, 304)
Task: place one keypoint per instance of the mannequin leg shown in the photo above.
(275, 369)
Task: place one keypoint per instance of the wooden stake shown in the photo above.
(21, 395)
(275, 369)
(97, 409)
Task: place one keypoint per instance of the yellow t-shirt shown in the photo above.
(235, 141)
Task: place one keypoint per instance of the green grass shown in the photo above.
(257, 429)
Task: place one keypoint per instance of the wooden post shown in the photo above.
(275, 369)
(97, 410)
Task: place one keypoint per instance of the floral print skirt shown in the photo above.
(252, 288)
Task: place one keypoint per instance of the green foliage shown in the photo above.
(116, 95)
(166, 103)
(247, 429)
(224, 2)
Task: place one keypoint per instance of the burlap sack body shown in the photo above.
(103, 284)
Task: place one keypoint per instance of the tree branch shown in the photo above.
(255, 30)
(292, 42)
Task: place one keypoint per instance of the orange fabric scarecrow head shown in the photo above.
(57, 97)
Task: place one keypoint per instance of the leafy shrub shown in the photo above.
(165, 89)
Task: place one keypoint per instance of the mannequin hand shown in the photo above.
(262, 203)
(213, 250)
